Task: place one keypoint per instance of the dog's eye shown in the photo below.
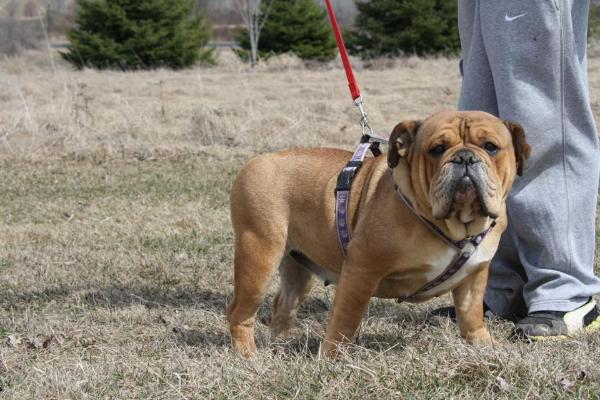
(437, 150)
(491, 147)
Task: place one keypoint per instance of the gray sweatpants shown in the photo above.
(525, 61)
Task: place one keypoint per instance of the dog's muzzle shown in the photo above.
(464, 181)
(471, 182)
(465, 189)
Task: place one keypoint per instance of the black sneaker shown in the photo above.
(557, 325)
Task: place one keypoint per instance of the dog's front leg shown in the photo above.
(355, 287)
(468, 301)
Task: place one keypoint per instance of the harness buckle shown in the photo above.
(375, 143)
(346, 176)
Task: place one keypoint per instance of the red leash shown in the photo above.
(367, 133)
(354, 89)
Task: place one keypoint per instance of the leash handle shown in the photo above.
(352, 84)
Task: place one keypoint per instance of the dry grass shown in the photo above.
(116, 250)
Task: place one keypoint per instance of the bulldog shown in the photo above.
(452, 170)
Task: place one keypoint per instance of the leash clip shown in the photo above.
(367, 134)
(365, 128)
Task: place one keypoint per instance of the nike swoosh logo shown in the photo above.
(510, 19)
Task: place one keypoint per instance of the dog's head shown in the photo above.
(459, 165)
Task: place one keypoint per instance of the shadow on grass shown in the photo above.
(156, 297)
(314, 309)
(201, 338)
(115, 296)
(160, 296)
(308, 345)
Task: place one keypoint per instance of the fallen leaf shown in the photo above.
(13, 340)
(504, 385)
(86, 342)
(49, 340)
(566, 384)
(34, 343)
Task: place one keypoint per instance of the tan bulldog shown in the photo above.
(455, 168)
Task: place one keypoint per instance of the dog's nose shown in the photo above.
(465, 157)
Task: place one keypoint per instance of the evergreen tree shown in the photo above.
(594, 21)
(396, 27)
(296, 26)
(135, 34)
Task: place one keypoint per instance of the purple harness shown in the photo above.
(342, 193)
(465, 247)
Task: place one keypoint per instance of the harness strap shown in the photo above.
(466, 248)
(342, 192)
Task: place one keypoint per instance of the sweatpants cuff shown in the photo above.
(558, 305)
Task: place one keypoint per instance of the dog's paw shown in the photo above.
(246, 350)
(480, 337)
(242, 339)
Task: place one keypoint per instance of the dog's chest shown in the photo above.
(441, 262)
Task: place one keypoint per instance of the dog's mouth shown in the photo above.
(465, 191)
(469, 199)
(466, 201)
(466, 194)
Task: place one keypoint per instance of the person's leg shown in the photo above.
(537, 53)
(478, 92)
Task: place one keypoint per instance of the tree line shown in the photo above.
(133, 34)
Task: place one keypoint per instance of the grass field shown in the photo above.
(116, 246)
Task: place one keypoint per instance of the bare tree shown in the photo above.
(254, 19)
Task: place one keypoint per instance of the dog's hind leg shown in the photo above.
(256, 258)
(296, 282)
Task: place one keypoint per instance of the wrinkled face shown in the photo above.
(461, 164)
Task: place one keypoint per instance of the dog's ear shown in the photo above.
(401, 140)
(522, 148)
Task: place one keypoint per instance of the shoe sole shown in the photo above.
(592, 327)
